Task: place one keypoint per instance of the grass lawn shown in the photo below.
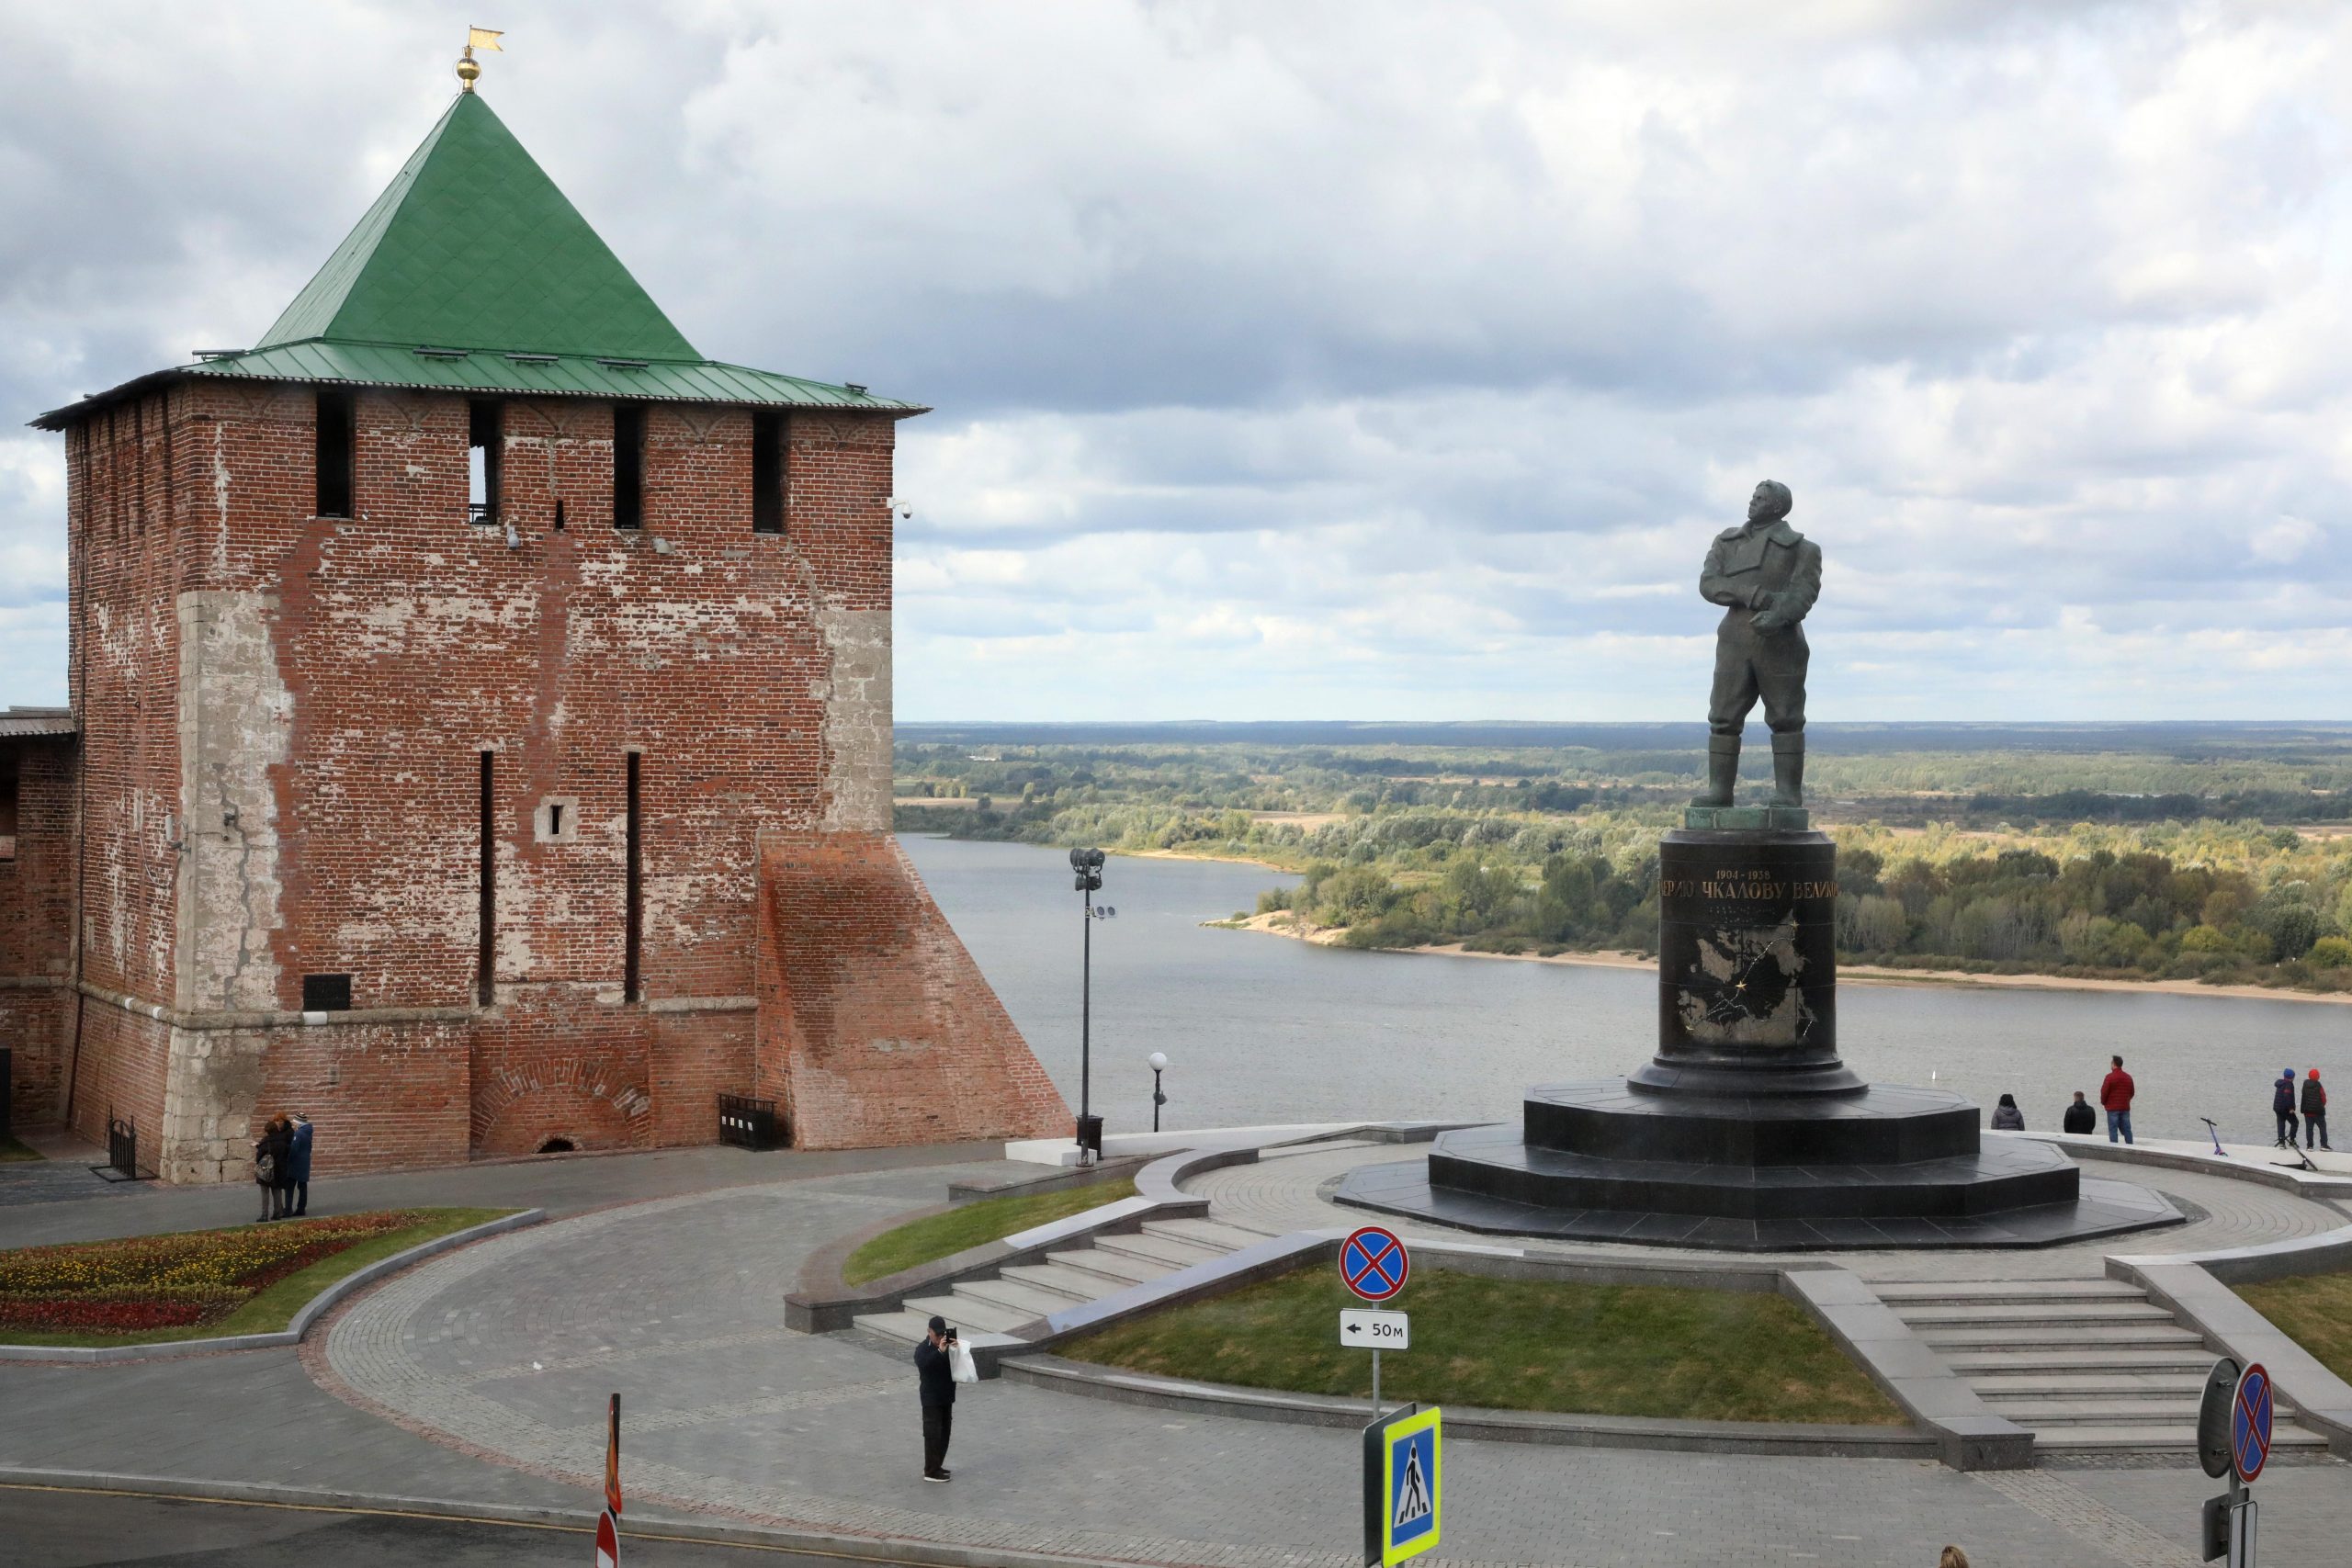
(969, 1224)
(2315, 1311)
(11, 1149)
(1516, 1345)
(252, 1279)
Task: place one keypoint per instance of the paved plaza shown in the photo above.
(480, 1378)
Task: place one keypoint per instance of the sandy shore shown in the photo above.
(1285, 924)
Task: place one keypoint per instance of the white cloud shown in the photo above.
(1373, 360)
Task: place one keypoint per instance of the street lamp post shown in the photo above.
(1157, 1062)
(1088, 866)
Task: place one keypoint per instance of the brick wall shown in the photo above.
(36, 923)
(284, 719)
(875, 1026)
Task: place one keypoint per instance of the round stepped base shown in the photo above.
(1495, 1163)
(2101, 1208)
(1877, 1125)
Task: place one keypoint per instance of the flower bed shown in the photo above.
(188, 1280)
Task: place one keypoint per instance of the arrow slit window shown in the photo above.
(629, 465)
(334, 464)
(769, 474)
(485, 438)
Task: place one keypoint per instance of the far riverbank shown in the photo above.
(1285, 923)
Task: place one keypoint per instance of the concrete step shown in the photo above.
(2040, 1414)
(909, 1327)
(1017, 1294)
(1205, 1233)
(2125, 1436)
(1116, 1269)
(2166, 1336)
(2050, 1314)
(967, 1312)
(1158, 1249)
(1943, 1293)
(2116, 1384)
(2194, 1359)
(1073, 1284)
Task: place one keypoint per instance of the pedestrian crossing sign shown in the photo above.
(1412, 1475)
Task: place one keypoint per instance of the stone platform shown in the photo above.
(1971, 1201)
(1604, 1159)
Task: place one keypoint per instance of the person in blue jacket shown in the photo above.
(297, 1166)
(2282, 1106)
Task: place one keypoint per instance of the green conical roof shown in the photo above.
(473, 274)
(472, 246)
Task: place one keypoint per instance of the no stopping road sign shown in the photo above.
(1373, 1263)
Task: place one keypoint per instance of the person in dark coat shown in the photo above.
(938, 1398)
(2080, 1117)
(2007, 1117)
(297, 1166)
(270, 1155)
(2314, 1111)
(2282, 1106)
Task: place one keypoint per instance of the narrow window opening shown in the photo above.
(326, 993)
(767, 473)
(559, 515)
(335, 459)
(7, 808)
(632, 985)
(555, 821)
(485, 443)
(486, 914)
(629, 465)
(139, 466)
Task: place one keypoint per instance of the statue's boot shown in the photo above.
(1788, 769)
(1723, 769)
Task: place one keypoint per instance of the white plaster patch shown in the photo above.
(857, 721)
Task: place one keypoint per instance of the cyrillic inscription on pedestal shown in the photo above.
(1748, 957)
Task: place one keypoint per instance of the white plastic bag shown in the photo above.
(959, 1363)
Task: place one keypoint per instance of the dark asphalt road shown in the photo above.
(81, 1529)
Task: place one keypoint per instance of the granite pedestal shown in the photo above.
(1746, 1130)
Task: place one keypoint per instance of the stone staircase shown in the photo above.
(2086, 1365)
(1083, 1272)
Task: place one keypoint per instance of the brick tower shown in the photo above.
(483, 730)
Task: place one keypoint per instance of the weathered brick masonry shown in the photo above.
(283, 719)
(35, 919)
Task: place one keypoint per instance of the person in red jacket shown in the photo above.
(2115, 1094)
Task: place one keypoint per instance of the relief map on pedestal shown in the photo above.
(1750, 987)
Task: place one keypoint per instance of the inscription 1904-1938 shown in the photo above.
(1745, 883)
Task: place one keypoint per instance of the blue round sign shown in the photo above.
(1373, 1262)
(2250, 1418)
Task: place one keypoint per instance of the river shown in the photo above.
(1260, 1029)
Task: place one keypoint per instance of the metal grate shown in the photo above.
(749, 1123)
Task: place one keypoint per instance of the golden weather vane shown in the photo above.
(477, 38)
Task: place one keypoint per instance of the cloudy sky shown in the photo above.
(1365, 360)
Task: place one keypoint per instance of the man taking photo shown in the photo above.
(938, 1398)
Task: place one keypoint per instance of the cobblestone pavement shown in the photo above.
(1285, 1194)
(509, 1349)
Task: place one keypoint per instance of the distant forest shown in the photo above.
(2205, 851)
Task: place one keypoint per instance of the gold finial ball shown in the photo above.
(467, 71)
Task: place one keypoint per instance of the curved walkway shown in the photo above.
(507, 1351)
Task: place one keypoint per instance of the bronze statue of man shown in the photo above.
(1766, 575)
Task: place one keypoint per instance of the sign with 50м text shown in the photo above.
(1404, 1470)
